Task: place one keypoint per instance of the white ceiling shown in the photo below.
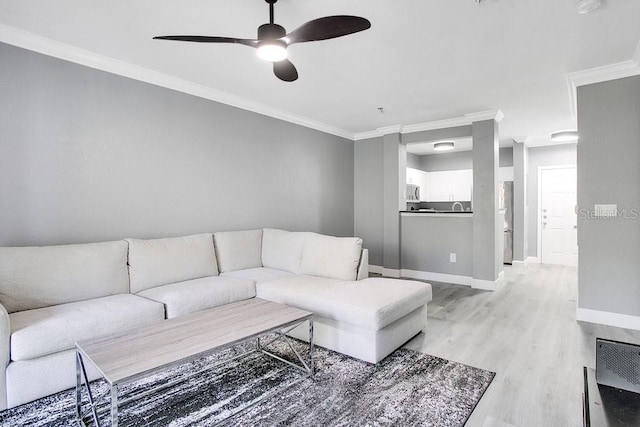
(422, 61)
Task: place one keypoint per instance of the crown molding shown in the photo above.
(438, 124)
(605, 73)
(378, 132)
(521, 139)
(366, 135)
(49, 47)
(467, 120)
(389, 129)
(485, 115)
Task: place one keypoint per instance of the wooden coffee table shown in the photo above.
(138, 353)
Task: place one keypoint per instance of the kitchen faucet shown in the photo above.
(453, 207)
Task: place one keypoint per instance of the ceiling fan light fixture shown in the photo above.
(564, 135)
(444, 146)
(272, 50)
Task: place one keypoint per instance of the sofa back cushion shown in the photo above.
(282, 250)
(36, 277)
(159, 262)
(333, 257)
(238, 250)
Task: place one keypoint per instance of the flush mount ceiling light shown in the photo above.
(564, 135)
(586, 6)
(444, 146)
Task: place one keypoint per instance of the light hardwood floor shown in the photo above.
(525, 331)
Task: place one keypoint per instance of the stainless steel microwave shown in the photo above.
(413, 192)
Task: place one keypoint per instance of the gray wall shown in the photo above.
(413, 161)
(555, 155)
(447, 161)
(609, 172)
(90, 156)
(505, 157)
(520, 208)
(368, 197)
(427, 242)
(437, 134)
(487, 228)
(394, 166)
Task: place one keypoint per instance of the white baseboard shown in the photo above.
(375, 269)
(607, 318)
(529, 260)
(487, 285)
(387, 272)
(437, 277)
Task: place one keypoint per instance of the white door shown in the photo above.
(558, 220)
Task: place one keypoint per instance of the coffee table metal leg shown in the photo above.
(78, 388)
(311, 365)
(114, 405)
(92, 403)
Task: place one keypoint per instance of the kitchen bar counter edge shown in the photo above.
(438, 214)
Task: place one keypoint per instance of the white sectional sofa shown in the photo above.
(51, 297)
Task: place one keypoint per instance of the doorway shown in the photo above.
(557, 219)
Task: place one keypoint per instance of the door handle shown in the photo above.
(575, 227)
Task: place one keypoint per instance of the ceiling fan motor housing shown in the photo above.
(271, 32)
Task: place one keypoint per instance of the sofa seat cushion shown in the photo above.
(370, 303)
(260, 274)
(43, 331)
(200, 294)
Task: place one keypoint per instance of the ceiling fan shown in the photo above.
(273, 40)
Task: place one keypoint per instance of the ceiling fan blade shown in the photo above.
(328, 27)
(285, 70)
(208, 39)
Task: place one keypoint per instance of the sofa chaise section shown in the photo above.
(366, 319)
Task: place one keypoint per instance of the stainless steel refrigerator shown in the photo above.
(506, 203)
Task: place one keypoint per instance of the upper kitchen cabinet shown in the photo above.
(443, 175)
(449, 186)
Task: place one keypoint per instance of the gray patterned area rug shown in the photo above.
(407, 388)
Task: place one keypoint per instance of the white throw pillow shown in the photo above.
(238, 250)
(333, 257)
(159, 262)
(282, 249)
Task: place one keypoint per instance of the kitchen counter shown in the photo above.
(439, 214)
